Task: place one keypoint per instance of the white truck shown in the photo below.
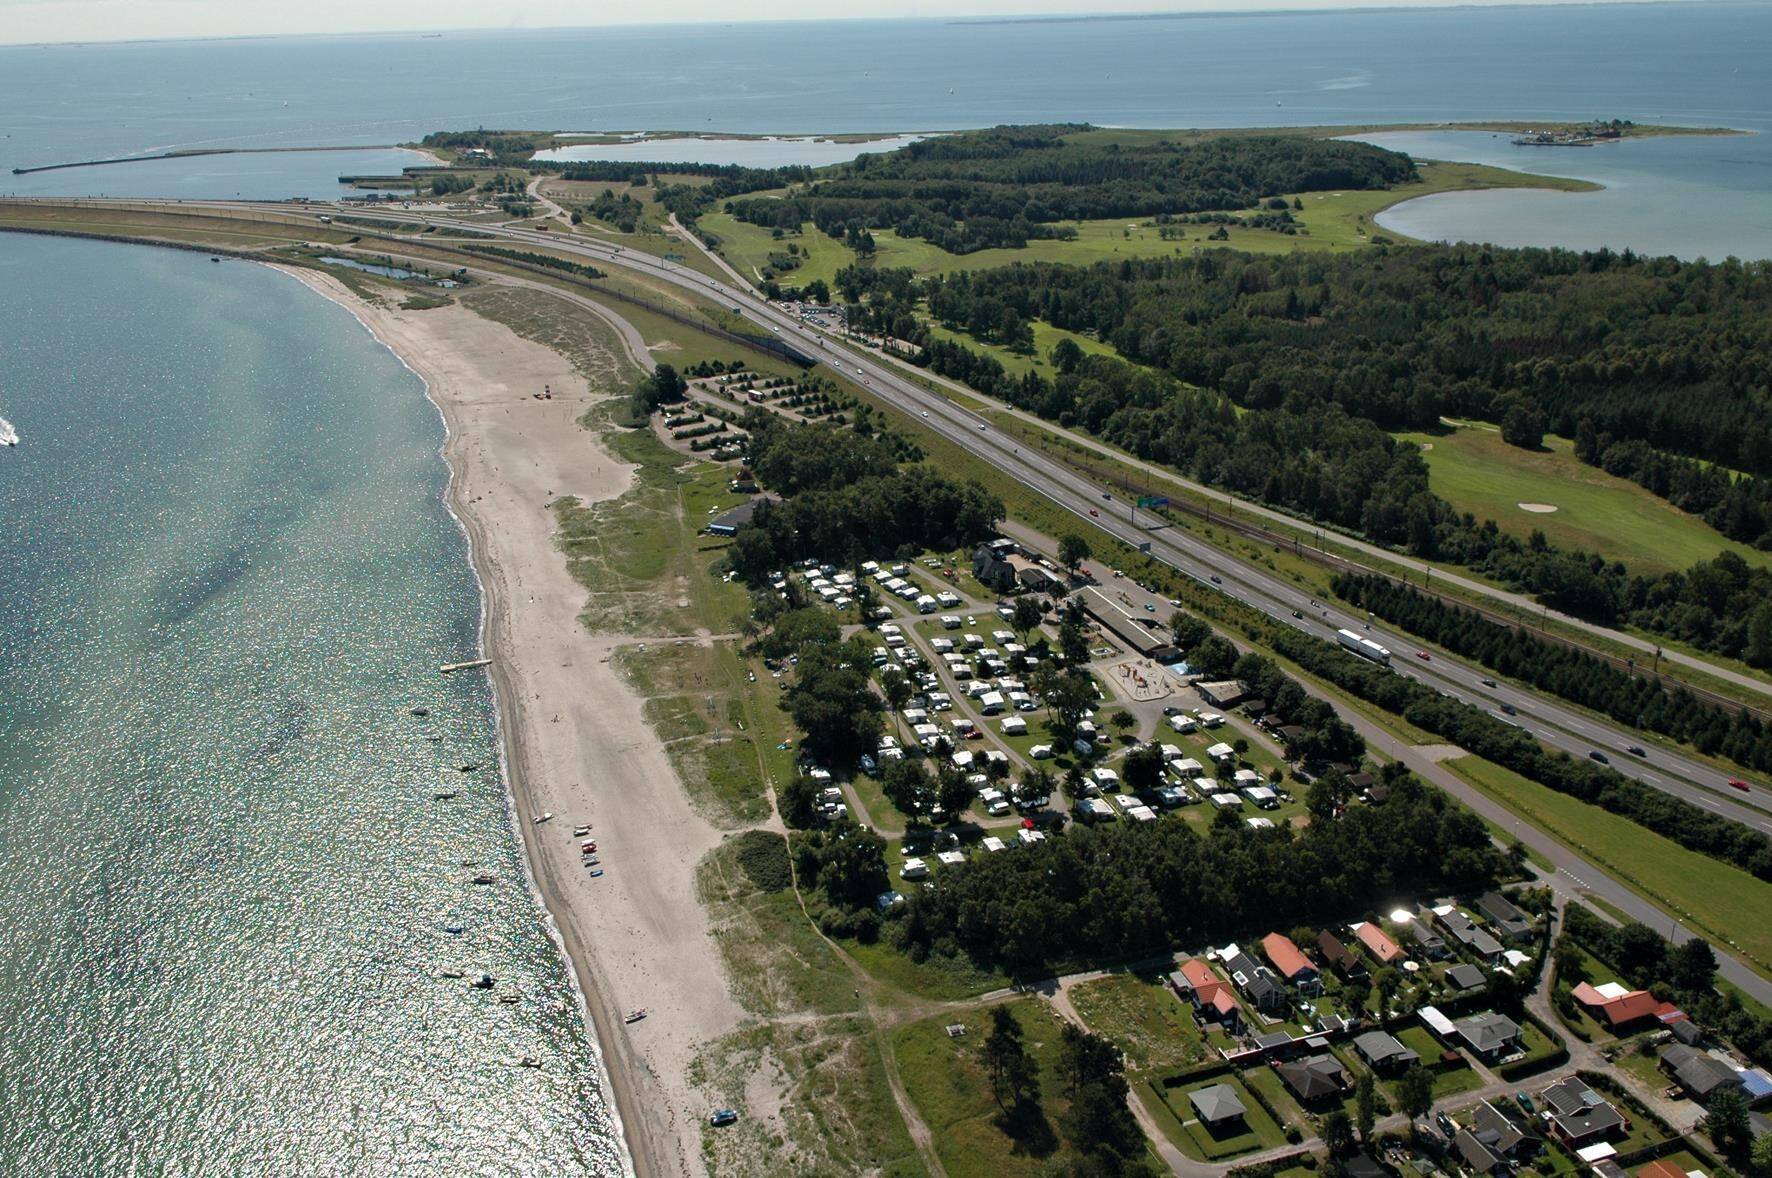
(1364, 647)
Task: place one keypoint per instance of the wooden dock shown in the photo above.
(451, 668)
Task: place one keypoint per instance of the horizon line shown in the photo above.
(1304, 8)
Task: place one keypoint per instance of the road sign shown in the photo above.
(1153, 501)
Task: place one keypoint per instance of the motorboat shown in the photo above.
(454, 973)
(483, 879)
(634, 1016)
(579, 832)
(483, 982)
(541, 818)
(8, 435)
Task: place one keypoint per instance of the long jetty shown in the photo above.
(190, 152)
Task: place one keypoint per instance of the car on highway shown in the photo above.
(1488, 683)
(1424, 656)
(1150, 607)
(1217, 580)
(1509, 709)
(1635, 750)
(1597, 755)
(925, 413)
(1095, 512)
(1297, 614)
(1737, 783)
(1106, 496)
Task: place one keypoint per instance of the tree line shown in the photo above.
(1738, 506)
(1629, 698)
(1474, 730)
(845, 496)
(1004, 186)
(1686, 974)
(1123, 889)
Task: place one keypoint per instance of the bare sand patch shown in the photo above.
(577, 742)
(1537, 508)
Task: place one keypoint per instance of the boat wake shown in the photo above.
(8, 435)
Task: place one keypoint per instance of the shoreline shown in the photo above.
(642, 1074)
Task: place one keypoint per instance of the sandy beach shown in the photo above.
(576, 742)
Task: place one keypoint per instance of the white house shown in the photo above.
(1227, 801)
(1182, 724)
(914, 869)
(1014, 726)
(1221, 752)
(1039, 752)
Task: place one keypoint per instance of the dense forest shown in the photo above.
(1006, 185)
(1638, 700)
(1677, 354)
(846, 496)
(1126, 888)
(1738, 506)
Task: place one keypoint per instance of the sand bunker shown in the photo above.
(1537, 508)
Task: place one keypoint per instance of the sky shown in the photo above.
(26, 21)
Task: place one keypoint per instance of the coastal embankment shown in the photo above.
(576, 742)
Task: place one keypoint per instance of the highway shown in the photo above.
(1097, 507)
(1551, 721)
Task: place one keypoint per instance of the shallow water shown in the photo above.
(228, 574)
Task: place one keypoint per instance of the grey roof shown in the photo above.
(1698, 1073)
(1269, 1040)
(1476, 1155)
(1381, 1047)
(739, 516)
(1507, 916)
(1465, 977)
(1580, 1112)
(1217, 1103)
(1477, 941)
(1686, 1031)
(1314, 1078)
(1426, 937)
(1488, 1032)
(1497, 1130)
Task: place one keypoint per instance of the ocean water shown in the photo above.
(228, 574)
(1687, 63)
(1693, 196)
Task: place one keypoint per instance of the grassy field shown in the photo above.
(1046, 337)
(947, 1082)
(1726, 904)
(748, 248)
(1333, 220)
(1474, 470)
(1147, 1022)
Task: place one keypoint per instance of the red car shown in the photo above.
(1095, 513)
(1424, 656)
(1737, 783)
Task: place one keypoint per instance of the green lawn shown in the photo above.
(1727, 904)
(1175, 1114)
(1046, 337)
(748, 247)
(1474, 470)
(1143, 1017)
(947, 1082)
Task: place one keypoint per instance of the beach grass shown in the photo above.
(776, 961)
(1726, 904)
(947, 1081)
(820, 1099)
(1473, 469)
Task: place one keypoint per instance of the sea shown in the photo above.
(228, 575)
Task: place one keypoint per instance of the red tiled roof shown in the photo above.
(1209, 988)
(1382, 946)
(1661, 1169)
(1626, 1008)
(1286, 956)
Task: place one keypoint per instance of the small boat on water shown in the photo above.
(454, 930)
(634, 1016)
(529, 1061)
(509, 999)
(454, 973)
(483, 982)
(421, 711)
(8, 435)
(483, 879)
(469, 767)
(443, 795)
